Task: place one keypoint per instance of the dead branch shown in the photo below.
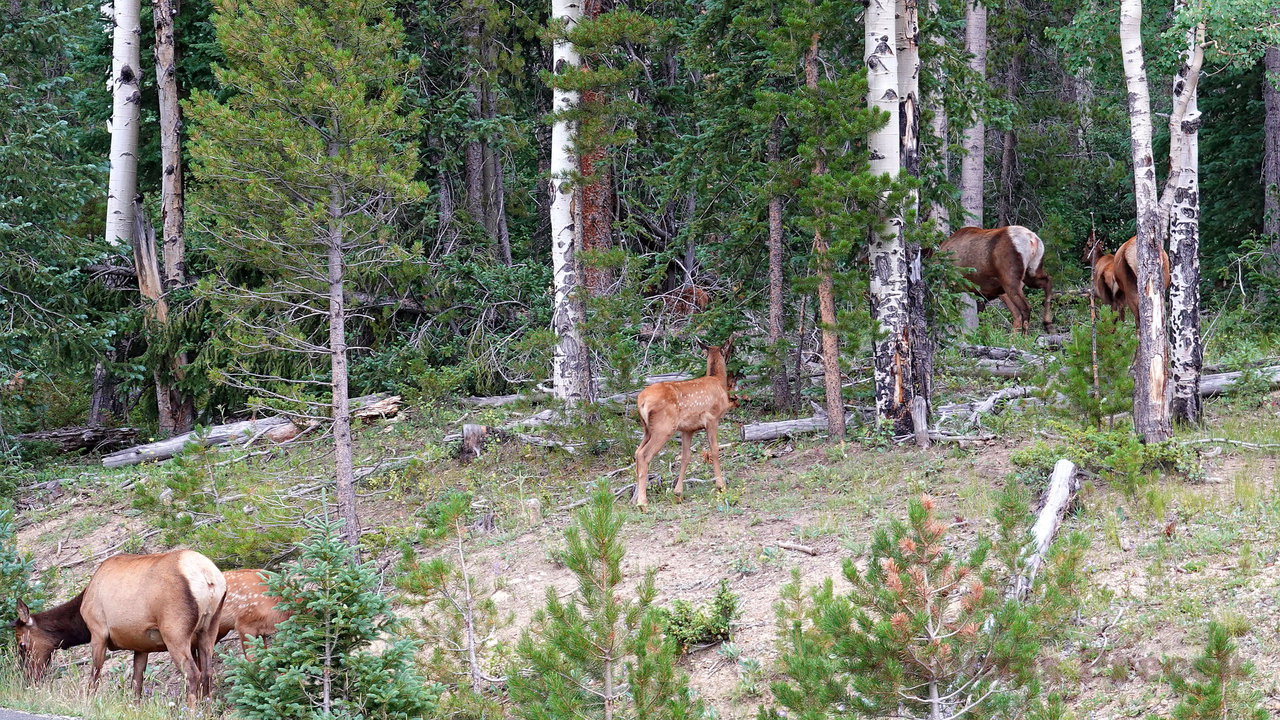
(788, 545)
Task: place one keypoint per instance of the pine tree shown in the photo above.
(1219, 693)
(598, 655)
(1074, 378)
(302, 167)
(923, 634)
(321, 663)
(15, 575)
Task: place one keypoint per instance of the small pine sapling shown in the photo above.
(459, 624)
(597, 655)
(1074, 375)
(15, 575)
(712, 622)
(923, 634)
(321, 662)
(1219, 690)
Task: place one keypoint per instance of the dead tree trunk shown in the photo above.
(344, 472)
(596, 194)
(1008, 147)
(781, 389)
(1271, 149)
(908, 41)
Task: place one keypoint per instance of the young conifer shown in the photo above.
(598, 655)
(1218, 690)
(1074, 380)
(321, 664)
(922, 634)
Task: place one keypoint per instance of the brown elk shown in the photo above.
(167, 602)
(1105, 288)
(250, 609)
(1125, 270)
(1002, 261)
(686, 406)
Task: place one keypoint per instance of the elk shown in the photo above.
(1105, 288)
(1125, 270)
(250, 609)
(1002, 261)
(686, 406)
(168, 602)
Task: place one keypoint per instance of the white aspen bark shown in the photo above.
(1151, 383)
(344, 473)
(908, 45)
(940, 129)
(890, 263)
(570, 365)
(126, 66)
(1187, 351)
(972, 172)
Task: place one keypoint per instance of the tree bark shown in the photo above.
(890, 262)
(975, 136)
(940, 129)
(172, 409)
(908, 41)
(126, 68)
(781, 389)
(344, 473)
(1187, 351)
(473, 153)
(596, 195)
(1152, 390)
(826, 287)
(1008, 147)
(180, 416)
(571, 368)
(1271, 149)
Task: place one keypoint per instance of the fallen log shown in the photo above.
(1053, 342)
(495, 400)
(986, 406)
(277, 428)
(90, 437)
(1063, 485)
(797, 547)
(474, 437)
(996, 353)
(1219, 383)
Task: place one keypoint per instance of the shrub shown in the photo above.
(320, 664)
(712, 622)
(15, 575)
(1117, 455)
(1219, 690)
(1072, 375)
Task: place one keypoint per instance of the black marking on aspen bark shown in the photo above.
(127, 76)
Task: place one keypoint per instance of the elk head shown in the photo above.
(1092, 249)
(35, 644)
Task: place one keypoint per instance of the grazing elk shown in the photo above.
(167, 602)
(1125, 270)
(686, 406)
(250, 609)
(1105, 288)
(1002, 261)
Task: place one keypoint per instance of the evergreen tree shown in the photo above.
(923, 634)
(303, 163)
(1084, 361)
(320, 663)
(15, 575)
(598, 655)
(1219, 693)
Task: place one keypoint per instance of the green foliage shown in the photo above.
(597, 650)
(1217, 686)
(711, 622)
(15, 577)
(921, 630)
(321, 663)
(1072, 373)
(1116, 454)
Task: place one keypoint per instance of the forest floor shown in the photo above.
(1168, 551)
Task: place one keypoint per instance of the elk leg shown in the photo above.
(1020, 308)
(99, 647)
(1044, 282)
(712, 426)
(644, 455)
(686, 440)
(207, 639)
(139, 667)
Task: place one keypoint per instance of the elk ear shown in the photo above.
(24, 613)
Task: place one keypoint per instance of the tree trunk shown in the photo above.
(126, 68)
(781, 389)
(570, 368)
(1271, 150)
(596, 195)
(1008, 154)
(172, 410)
(1184, 235)
(908, 40)
(890, 262)
(940, 129)
(975, 136)
(344, 473)
(181, 409)
(473, 153)
(826, 287)
(1151, 387)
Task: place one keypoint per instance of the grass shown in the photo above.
(67, 694)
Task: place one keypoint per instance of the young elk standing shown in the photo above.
(686, 406)
(168, 602)
(251, 610)
(1105, 288)
(1003, 260)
